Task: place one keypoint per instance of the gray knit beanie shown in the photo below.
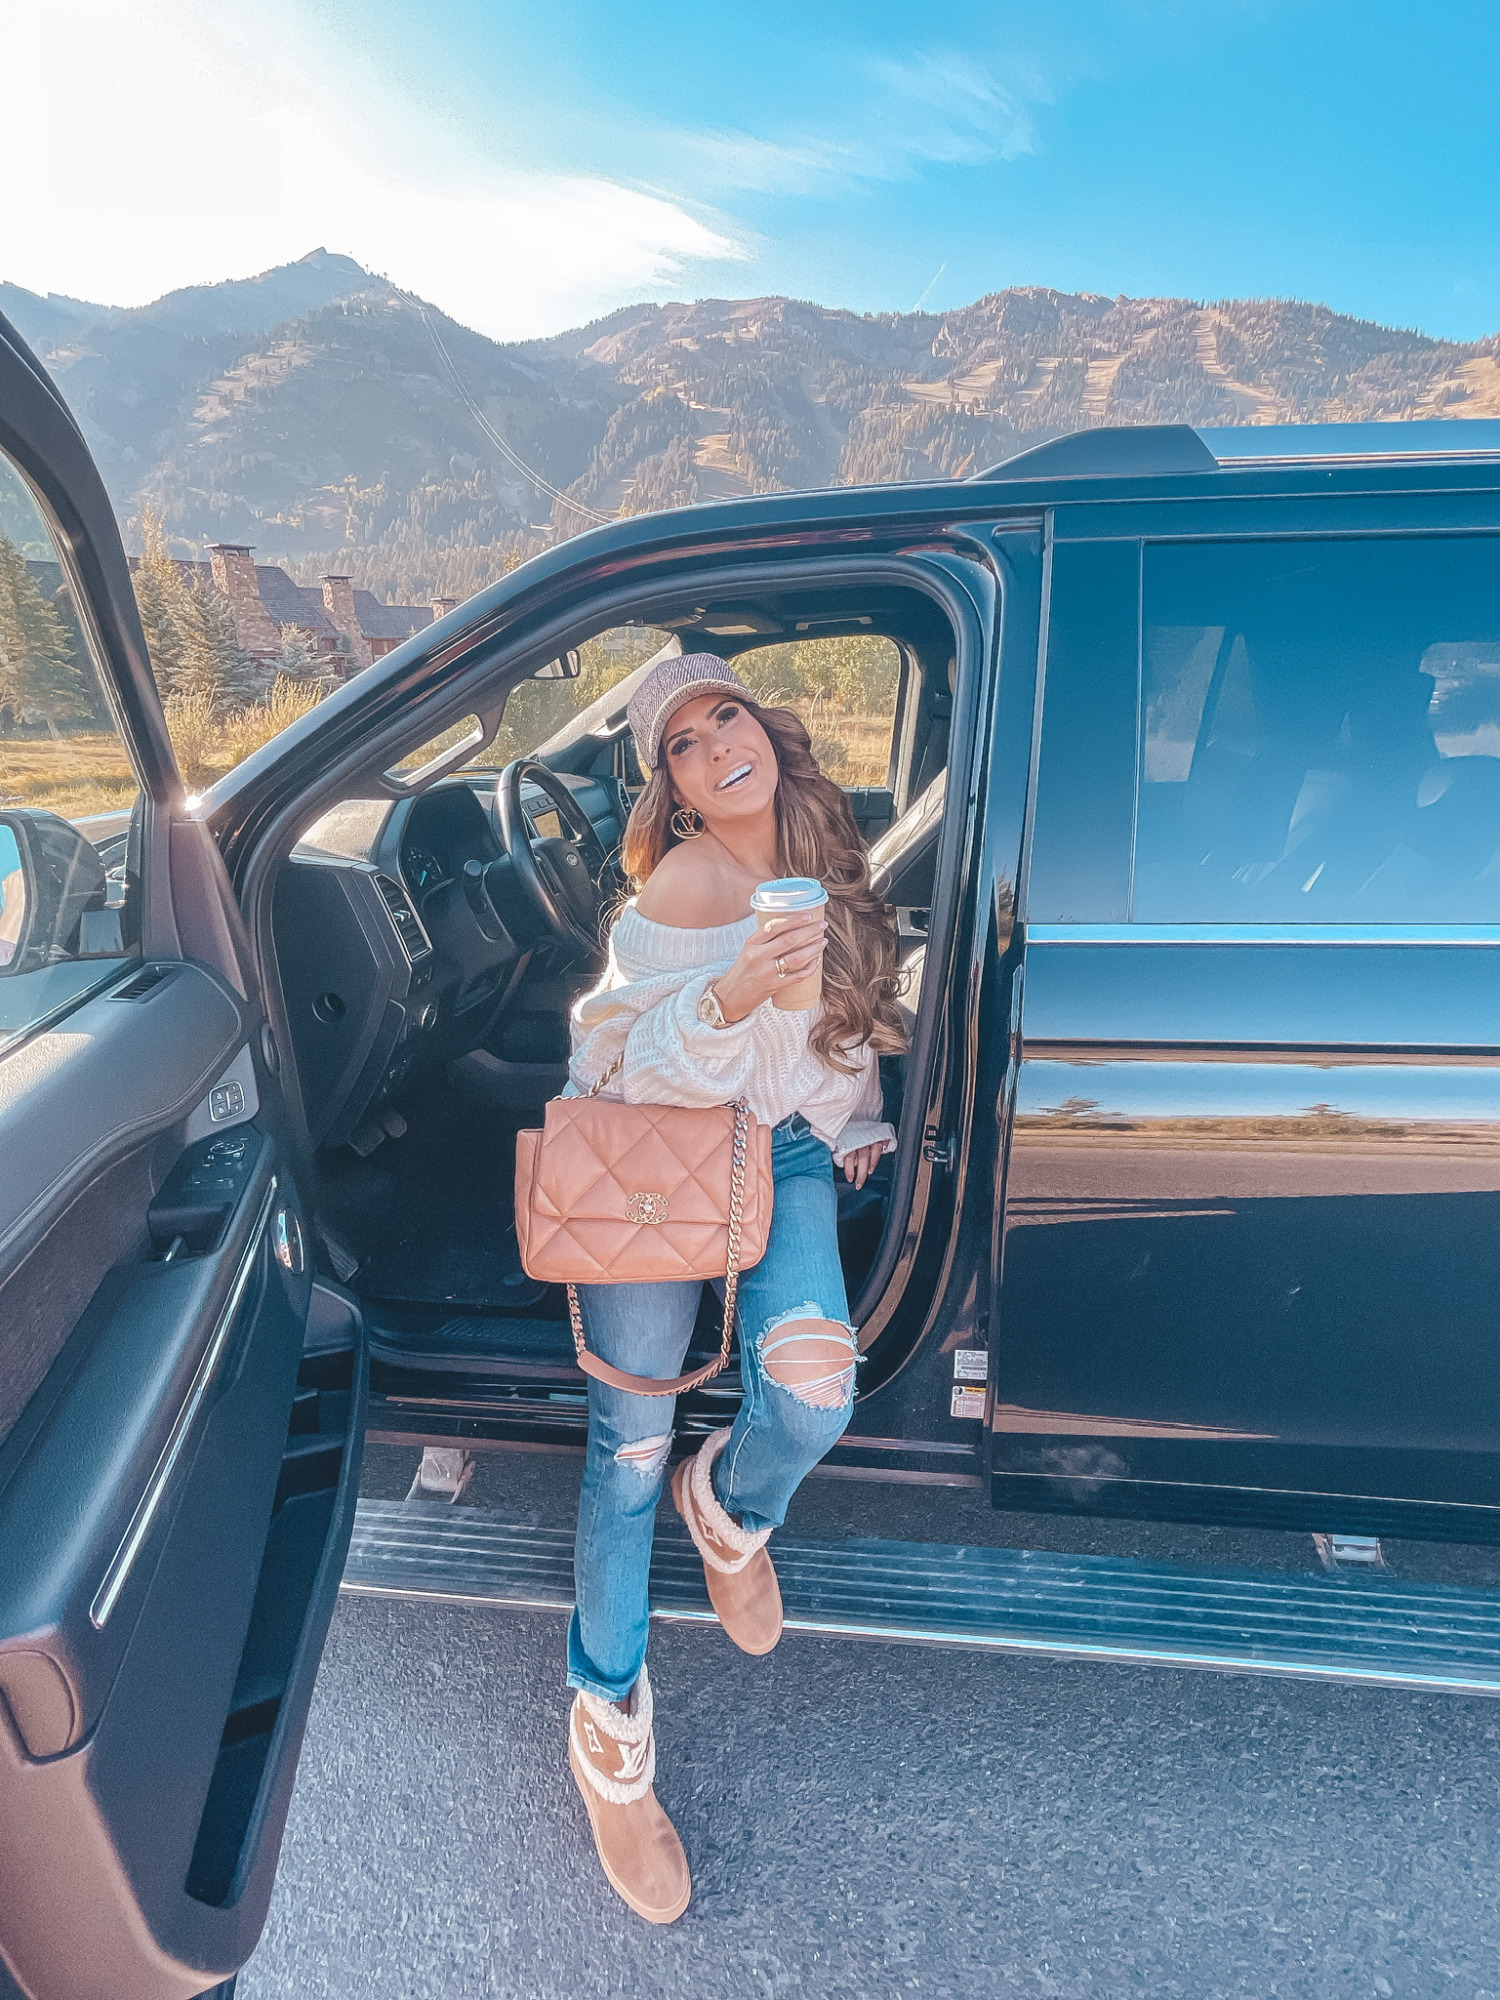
(669, 684)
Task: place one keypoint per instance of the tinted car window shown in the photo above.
(1320, 733)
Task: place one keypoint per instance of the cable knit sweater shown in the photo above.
(646, 1007)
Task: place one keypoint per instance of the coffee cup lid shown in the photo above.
(790, 892)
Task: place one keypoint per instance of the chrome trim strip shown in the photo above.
(1477, 454)
(1362, 441)
(123, 1561)
(1386, 934)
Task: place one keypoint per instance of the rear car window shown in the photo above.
(1319, 732)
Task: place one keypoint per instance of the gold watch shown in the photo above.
(710, 1011)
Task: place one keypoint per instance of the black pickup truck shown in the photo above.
(1187, 792)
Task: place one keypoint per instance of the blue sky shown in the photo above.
(530, 166)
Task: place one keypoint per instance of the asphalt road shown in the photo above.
(870, 1819)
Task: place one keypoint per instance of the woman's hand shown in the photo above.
(796, 940)
(862, 1161)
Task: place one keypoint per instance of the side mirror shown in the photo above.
(566, 667)
(50, 879)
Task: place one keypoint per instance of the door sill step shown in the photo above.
(1342, 1626)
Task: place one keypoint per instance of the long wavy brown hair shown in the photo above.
(817, 835)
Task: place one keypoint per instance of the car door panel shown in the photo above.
(1273, 1274)
(110, 1495)
(82, 1094)
(1249, 1266)
(182, 1503)
(47, 1291)
(181, 1404)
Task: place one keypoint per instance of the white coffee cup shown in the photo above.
(790, 896)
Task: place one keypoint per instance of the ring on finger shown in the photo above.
(781, 968)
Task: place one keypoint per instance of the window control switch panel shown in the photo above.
(188, 1215)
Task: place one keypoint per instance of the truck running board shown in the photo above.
(1329, 1626)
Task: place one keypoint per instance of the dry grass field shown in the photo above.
(71, 775)
(853, 749)
(843, 689)
(89, 772)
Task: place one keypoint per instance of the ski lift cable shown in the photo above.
(501, 445)
(496, 438)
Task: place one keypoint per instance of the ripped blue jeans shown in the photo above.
(779, 1435)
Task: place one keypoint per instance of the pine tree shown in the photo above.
(39, 677)
(159, 593)
(213, 665)
(299, 662)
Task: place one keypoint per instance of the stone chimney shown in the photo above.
(441, 606)
(338, 601)
(234, 574)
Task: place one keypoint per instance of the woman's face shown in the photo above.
(719, 759)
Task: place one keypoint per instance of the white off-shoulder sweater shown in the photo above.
(646, 1008)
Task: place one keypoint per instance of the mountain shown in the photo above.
(237, 307)
(335, 422)
(378, 410)
(127, 372)
(772, 392)
(44, 318)
(243, 306)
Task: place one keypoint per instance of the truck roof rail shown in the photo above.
(1110, 448)
(1137, 448)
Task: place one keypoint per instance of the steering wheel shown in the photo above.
(559, 875)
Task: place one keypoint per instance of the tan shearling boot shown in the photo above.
(612, 1752)
(742, 1584)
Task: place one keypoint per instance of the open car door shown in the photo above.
(180, 1403)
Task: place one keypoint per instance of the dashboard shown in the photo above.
(400, 935)
(422, 870)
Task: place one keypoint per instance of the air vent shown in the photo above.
(414, 940)
(141, 983)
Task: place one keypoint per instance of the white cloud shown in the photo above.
(939, 107)
(168, 143)
(972, 114)
(728, 159)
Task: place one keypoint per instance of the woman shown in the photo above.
(735, 799)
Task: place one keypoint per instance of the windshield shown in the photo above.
(536, 710)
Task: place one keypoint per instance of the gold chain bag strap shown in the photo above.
(615, 1194)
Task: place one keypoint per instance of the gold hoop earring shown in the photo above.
(687, 823)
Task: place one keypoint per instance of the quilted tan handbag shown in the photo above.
(616, 1194)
